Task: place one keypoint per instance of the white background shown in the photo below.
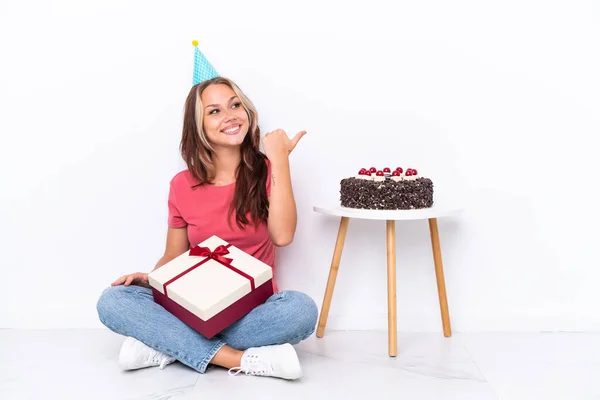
(496, 101)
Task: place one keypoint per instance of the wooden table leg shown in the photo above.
(439, 275)
(391, 286)
(335, 264)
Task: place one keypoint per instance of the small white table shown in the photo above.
(390, 217)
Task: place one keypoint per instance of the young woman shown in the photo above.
(232, 190)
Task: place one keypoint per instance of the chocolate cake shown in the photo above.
(386, 190)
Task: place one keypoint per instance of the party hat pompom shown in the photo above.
(203, 70)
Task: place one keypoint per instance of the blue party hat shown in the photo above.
(203, 70)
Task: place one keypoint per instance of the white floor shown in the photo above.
(81, 364)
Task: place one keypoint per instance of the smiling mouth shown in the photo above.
(234, 130)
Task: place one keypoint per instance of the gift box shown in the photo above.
(212, 285)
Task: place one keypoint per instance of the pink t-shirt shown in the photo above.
(203, 210)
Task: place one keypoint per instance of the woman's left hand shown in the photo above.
(277, 144)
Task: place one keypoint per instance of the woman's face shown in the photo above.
(225, 119)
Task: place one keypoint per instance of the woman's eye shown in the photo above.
(236, 105)
(213, 111)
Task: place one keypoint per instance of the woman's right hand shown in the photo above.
(137, 278)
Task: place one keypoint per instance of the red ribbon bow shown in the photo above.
(217, 254)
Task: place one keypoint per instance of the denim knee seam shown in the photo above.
(299, 338)
(110, 326)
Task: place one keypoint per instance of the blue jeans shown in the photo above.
(286, 317)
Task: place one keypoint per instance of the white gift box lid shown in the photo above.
(210, 288)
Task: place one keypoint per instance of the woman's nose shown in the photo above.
(230, 116)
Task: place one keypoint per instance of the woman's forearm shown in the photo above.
(282, 206)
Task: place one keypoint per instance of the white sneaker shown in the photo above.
(279, 361)
(135, 354)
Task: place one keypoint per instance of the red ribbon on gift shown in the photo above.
(217, 255)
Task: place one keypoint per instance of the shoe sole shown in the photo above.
(125, 348)
(290, 352)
